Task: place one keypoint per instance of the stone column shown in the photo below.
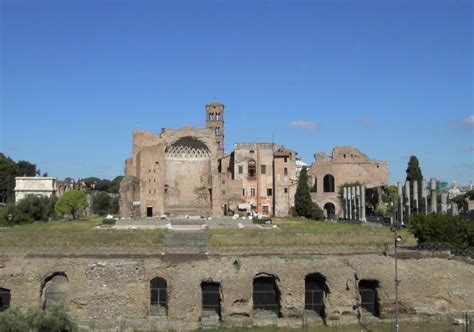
(434, 202)
(362, 199)
(344, 197)
(415, 195)
(400, 203)
(359, 216)
(454, 209)
(354, 212)
(444, 202)
(424, 196)
(407, 199)
(349, 200)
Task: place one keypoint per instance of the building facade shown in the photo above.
(185, 172)
(345, 165)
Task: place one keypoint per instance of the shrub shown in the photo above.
(108, 221)
(53, 319)
(262, 221)
(37, 208)
(11, 215)
(442, 228)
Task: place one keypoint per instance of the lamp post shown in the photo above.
(398, 238)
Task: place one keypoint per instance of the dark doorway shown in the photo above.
(266, 295)
(330, 210)
(5, 298)
(158, 296)
(149, 211)
(211, 297)
(54, 289)
(369, 297)
(315, 291)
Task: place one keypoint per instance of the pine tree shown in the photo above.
(414, 173)
(304, 206)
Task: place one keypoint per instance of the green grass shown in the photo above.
(64, 236)
(77, 234)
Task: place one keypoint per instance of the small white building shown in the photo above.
(34, 185)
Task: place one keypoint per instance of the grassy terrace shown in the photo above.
(292, 235)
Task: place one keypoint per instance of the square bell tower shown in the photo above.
(215, 122)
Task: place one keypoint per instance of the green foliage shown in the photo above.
(108, 221)
(304, 205)
(442, 228)
(70, 203)
(115, 185)
(340, 191)
(414, 173)
(101, 203)
(262, 221)
(11, 215)
(37, 208)
(53, 319)
(8, 171)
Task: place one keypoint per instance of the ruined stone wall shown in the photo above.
(346, 164)
(111, 289)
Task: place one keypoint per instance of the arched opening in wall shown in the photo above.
(369, 296)
(316, 290)
(5, 298)
(330, 210)
(158, 296)
(328, 183)
(54, 289)
(211, 299)
(252, 169)
(266, 295)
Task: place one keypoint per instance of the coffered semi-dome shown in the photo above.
(188, 147)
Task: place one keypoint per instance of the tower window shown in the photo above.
(252, 169)
(241, 169)
(269, 191)
(263, 169)
(285, 171)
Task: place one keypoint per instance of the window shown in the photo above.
(265, 209)
(263, 169)
(5, 298)
(149, 211)
(252, 192)
(286, 190)
(266, 295)
(315, 290)
(55, 289)
(158, 296)
(368, 296)
(328, 183)
(286, 159)
(241, 169)
(243, 191)
(269, 191)
(285, 171)
(211, 297)
(252, 169)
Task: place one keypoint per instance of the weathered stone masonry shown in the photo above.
(117, 288)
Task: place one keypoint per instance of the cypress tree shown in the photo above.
(414, 173)
(304, 205)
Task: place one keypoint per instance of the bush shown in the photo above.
(37, 208)
(108, 221)
(442, 228)
(11, 215)
(262, 221)
(53, 319)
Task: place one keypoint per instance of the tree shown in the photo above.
(304, 205)
(7, 179)
(115, 185)
(71, 202)
(414, 173)
(102, 203)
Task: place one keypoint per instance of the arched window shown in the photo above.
(158, 296)
(252, 169)
(54, 289)
(5, 298)
(369, 296)
(314, 185)
(328, 183)
(266, 295)
(211, 298)
(315, 291)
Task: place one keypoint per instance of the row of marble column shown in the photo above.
(354, 203)
(405, 205)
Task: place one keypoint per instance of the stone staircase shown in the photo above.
(186, 242)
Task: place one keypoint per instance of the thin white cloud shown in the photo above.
(309, 125)
(367, 122)
(467, 122)
(466, 148)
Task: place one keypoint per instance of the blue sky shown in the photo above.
(393, 78)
